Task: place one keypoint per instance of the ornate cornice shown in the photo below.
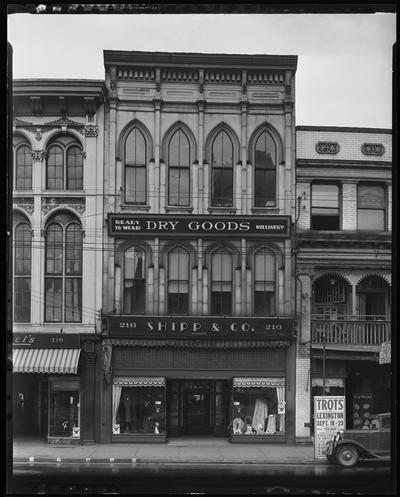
(77, 204)
(64, 121)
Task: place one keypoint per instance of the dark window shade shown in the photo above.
(135, 158)
(222, 170)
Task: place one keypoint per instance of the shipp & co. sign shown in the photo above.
(242, 226)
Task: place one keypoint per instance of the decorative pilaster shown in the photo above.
(158, 201)
(201, 200)
(245, 188)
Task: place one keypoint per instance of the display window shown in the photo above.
(138, 406)
(259, 406)
(64, 408)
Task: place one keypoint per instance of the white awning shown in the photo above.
(329, 382)
(139, 381)
(59, 361)
(258, 382)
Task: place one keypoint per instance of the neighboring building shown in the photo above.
(199, 281)
(344, 219)
(57, 238)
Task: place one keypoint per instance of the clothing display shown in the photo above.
(271, 426)
(260, 414)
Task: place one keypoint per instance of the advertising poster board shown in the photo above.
(329, 417)
(362, 410)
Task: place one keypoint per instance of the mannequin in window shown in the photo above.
(260, 415)
(127, 401)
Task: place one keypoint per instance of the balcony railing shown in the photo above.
(351, 332)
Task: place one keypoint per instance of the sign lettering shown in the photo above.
(329, 417)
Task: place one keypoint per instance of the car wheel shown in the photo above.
(347, 455)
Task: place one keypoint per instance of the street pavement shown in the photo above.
(186, 451)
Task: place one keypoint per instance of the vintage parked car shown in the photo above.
(347, 447)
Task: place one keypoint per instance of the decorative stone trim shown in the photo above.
(64, 121)
(265, 77)
(26, 204)
(38, 155)
(179, 75)
(373, 149)
(327, 148)
(91, 130)
(77, 204)
(139, 74)
(223, 77)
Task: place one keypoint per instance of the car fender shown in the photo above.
(364, 452)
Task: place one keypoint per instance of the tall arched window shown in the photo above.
(23, 164)
(179, 169)
(22, 269)
(135, 159)
(265, 170)
(178, 281)
(221, 282)
(134, 290)
(64, 164)
(63, 271)
(222, 170)
(264, 283)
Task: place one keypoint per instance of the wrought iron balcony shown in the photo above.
(373, 330)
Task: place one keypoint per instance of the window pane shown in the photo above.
(265, 153)
(22, 300)
(22, 253)
(54, 249)
(264, 303)
(64, 413)
(264, 266)
(55, 168)
(222, 187)
(23, 170)
(221, 303)
(179, 150)
(53, 299)
(73, 300)
(135, 184)
(134, 264)
(73, 249)
(135, 148)
(178, 281)
(179, 188)
(74, 168)
(221, 266)
(134, 281)
(265, 186)
(371, 197)
(371, 219)
(325, 196)
(222, 151)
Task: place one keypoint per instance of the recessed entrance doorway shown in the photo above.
(198, 407)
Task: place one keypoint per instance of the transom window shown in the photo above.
(371, 208)
(23, 164)
(221, 282)
(179, 169)
(222, 170)
(135, 156)
(64, 165)
(178, 281)
(63, 270)
(134, 289)
(264, 283)
(265, 171)
(325, 207)
(22, 269)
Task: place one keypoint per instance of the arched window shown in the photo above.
(221, 282)
(264, 283)
(64, 165)
(134, 290)
(179, 169)
(23, 164)
(178, 281)
(222, 170)
(22, 269)
(63, 271)
(265, 170)
(135, 167)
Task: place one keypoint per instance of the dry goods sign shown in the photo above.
(329, 418)
(172, 225)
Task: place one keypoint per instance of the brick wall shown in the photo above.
(349, 206)
(303, 205)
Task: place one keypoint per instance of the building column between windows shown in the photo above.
(200, 143)
(354, 300)
(199, 276)
(150, 290)
(88, 412)
(37, 264)
(111, 188)
(194, 176)
(150, 185)
(237, 292)
(195, 298)
(248, 292)
(288, 160)
(112, 157)
(281, 292)
(304, 307)
(158, 200)
(238, 187)
(163, 187)
(117, 288)
(162, 290)
(250, 187)
(205, 291)
(119, 190)
(288, 275)
(243, 252)
(349, 206)
(246, 188)
(206, 187)
(156, 259)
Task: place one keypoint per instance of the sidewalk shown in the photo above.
(188, 451)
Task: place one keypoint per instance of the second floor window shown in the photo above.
(22, 269)
(325, 207)
(371, 212)
(179, 170)
(134, 289)
(178, 281)
(64, 169)
(265, 171)
(135, 158)
(222, 170)
(264, 283)
(63, 270)
(23, 165)
(221, 282)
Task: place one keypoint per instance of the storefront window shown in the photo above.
(258, 406)
(139, 406)
(64, 409)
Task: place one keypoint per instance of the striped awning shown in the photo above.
(329, 382)
(258, 382)
(62, 361)
(139, 381)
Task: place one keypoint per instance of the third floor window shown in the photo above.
(325, 213)
(64, 168)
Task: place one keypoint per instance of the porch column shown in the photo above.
(354, 300)
(88, 392)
